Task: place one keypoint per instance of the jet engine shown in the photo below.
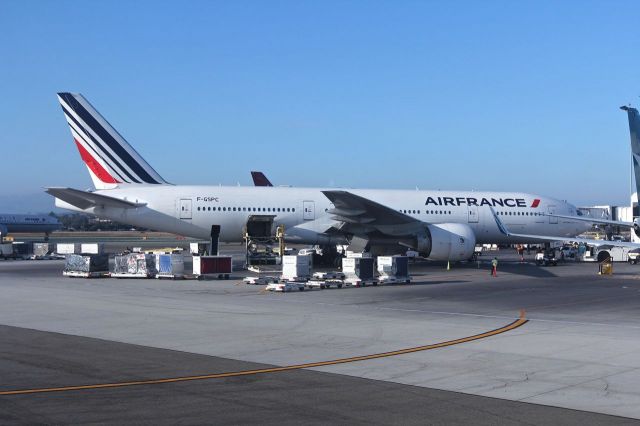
(636, 227)
(447, 241)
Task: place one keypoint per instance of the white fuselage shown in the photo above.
(191, 210)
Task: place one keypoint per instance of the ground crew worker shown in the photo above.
(494, 267)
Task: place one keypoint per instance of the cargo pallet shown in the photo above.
(328, 275)
(170, 276)
(259, 280)
(324, 284)
(357, 282)
(393, 280)
(285, 287)
(211, 276)
(78, 274)
(293, 279)
(125, 275)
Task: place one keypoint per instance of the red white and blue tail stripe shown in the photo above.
(108, 156)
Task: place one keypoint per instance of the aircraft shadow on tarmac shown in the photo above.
(527, 269)
(423, 279)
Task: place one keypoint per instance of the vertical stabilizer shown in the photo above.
(259, 179)
(108, 156)
(634, 131)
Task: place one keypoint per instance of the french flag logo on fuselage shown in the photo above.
(108, 156)
(535, 203)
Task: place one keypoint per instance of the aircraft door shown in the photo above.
(308, 210)
(473, 214)
(185, 208)
(552, 210)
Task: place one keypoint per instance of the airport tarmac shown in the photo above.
(574, 362)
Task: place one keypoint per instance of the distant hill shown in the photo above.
(28, 203)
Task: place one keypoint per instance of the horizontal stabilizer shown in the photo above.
(84, 200)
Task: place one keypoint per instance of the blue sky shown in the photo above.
(503, 95)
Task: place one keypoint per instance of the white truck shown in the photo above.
(617, 254)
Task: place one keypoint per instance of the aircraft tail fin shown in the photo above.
(634, 131)
(259, 179)
(108, 156)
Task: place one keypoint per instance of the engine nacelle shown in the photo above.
(447, 241)
(636, 227)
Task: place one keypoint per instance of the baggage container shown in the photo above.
(6, 250)
(134, 265)
(221, 266)
(296, 268)
(22, 249)
(67, 248)
(393, 269)
(86, 266)
(358, 270)
(41, 249)
(169, 265)
(91, 248)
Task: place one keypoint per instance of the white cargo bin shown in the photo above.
(393, 269)
(66, 248)
(91, 248)
(296, 267)
(358, 270)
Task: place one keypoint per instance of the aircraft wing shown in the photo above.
(546, 238)
(363, 214)
(83, 199)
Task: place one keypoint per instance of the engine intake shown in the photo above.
(447, 241)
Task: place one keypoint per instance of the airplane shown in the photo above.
(27, 223)
(440, 225)
(259, 179)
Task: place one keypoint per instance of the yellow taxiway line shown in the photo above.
(515, 324)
